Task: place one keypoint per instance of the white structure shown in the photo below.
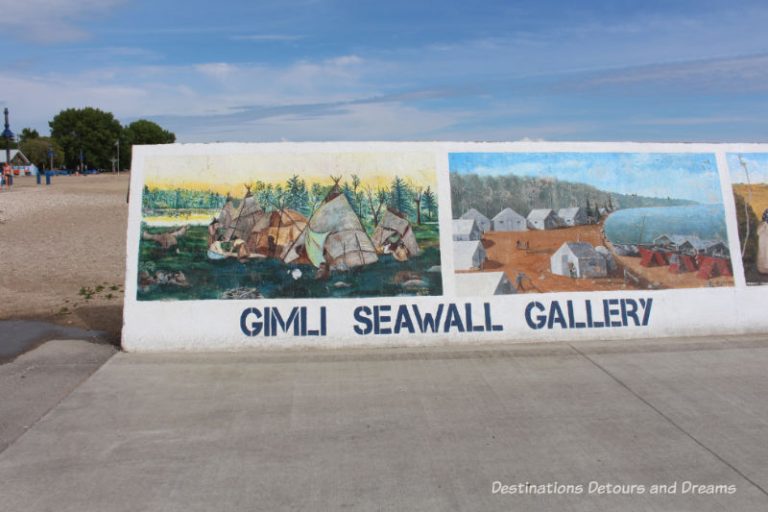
(610, 261)
(466, 229)
(468, 255)
(483, 284)
(20, 164)
(509, 220)
(543, 218)
(482, 221)
(578, 259)
(575, 216)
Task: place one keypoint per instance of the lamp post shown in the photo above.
(8, 136)
(118, 156)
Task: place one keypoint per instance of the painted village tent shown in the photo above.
(543, 218)
(274, 231)
(483, 284)
(466, 229)
(509, 220)
(245, 218)
(610, 261)
(482, 221)
(394, 229)
(575, 216)
(578, 259)
(226, 214)
(468, 255)
(333, 235)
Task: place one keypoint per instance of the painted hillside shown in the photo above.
(491, 194)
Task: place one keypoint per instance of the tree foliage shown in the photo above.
(142, 132)
(88, 129)
(36, 149)
(27, 134)
(491, 194)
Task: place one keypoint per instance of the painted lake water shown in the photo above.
(643, 225)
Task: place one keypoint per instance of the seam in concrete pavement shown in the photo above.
(670, 420)
(58, 402)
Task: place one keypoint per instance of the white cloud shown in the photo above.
(217, 70)
(50, 21)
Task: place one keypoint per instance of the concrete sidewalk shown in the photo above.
(418, 429)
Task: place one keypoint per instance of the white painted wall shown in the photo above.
(215, 325)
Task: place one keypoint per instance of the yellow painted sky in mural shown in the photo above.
(228, 173)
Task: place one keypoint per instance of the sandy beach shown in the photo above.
(63, 251)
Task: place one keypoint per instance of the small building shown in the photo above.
(509, 220)
(610, 261)
(716, 248)
(575, 216)
(468, 255)
(670, 242)
(466, 229)
(483, 284)
(543, 218)
(482, 221)
(20, 164)
(695, 246)
(578, 259)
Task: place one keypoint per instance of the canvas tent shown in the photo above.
(394, 229)
(578, 259)
(575, 216)
(274, 231)
(247, 216)
(334, 236)
(466, 229)
(482, 221)
(468, 255)
(226, 214)
(483, 284)
(543, 218)
(509, 220)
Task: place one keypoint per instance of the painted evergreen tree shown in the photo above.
(400, 196)
(296, 195)
(430, 203)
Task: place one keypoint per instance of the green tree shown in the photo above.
(142, 132)
(400, 196)
(36, 149)
(27, 134)
(430, 203)
(90, 130)
(297, 197)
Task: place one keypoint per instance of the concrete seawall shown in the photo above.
(329, 245)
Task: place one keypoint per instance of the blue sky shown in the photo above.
(396, 70)
(756, 163)
(678, 175)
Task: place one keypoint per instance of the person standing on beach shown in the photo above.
(7, 176)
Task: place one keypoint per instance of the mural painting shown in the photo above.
(289, 225)
(548, 222)
(749, 177)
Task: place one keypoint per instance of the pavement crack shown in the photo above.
(668, 419)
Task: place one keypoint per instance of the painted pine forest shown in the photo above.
(273, 277)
